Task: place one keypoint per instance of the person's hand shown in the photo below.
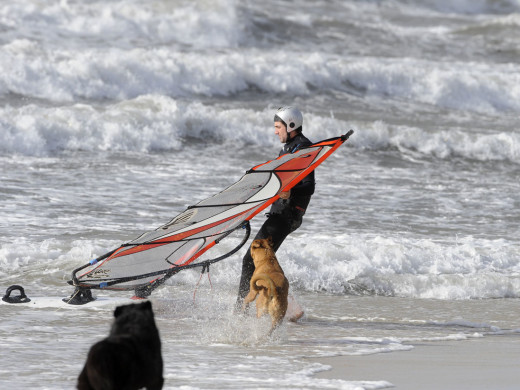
(285, 194)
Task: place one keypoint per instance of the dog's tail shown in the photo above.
(263, 281)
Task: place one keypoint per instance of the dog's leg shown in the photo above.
(156, 386)
(275, 323)
(83, 383)
(250, 297)
(277, 309)
(262, 303)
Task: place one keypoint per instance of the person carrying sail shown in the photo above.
(286, 214)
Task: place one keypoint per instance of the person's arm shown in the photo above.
(285, 194)
(305, 187)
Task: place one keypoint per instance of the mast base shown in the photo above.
(81, 296)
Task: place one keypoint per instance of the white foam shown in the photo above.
(392, 266)
(469, 324)
(129, 23)
(404, 267)
(113, 73)
(360, 265)
(143, 124)
(470, 6)
(443, 144)
(154, 122)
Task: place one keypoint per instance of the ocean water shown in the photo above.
(117, 115)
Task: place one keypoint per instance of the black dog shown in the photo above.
(130, 357)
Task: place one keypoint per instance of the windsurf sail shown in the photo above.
(147, 261)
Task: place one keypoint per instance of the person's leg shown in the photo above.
(248, 267)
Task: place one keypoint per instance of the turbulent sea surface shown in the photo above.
(117, 115)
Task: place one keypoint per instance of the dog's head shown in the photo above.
(127, 309)
(134, 319)
(261, 248)
(266, 243)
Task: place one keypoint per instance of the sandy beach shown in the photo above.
(476, 364)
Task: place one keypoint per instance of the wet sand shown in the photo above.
(491, 363)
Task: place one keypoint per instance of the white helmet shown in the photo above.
(291, 117)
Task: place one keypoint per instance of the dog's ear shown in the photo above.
(255, 244)
(119, 310)
(146, 306)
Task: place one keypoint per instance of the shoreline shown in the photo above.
(489, 362)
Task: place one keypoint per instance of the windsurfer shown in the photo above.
(286, 213)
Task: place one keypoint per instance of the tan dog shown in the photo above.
(268, 283)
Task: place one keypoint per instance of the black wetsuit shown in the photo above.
(284, 217)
